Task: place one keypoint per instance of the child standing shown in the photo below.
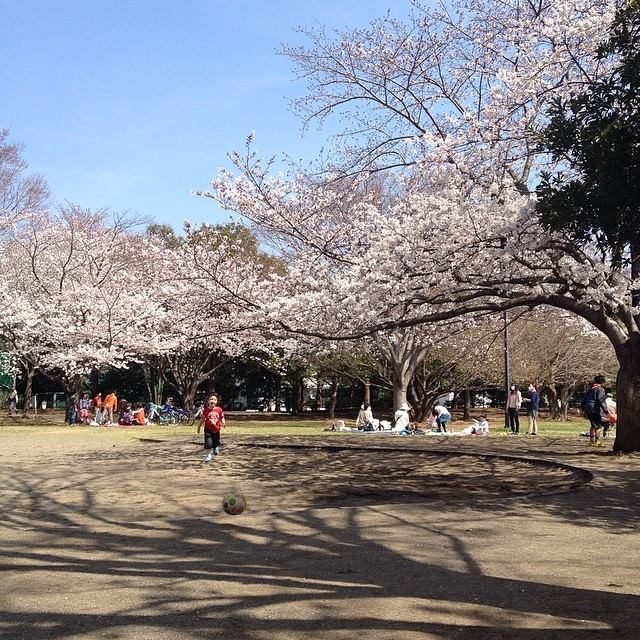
(84, 409)
(97, 407)
(213, 420)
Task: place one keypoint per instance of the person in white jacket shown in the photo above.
(441, 417)
(514, 402)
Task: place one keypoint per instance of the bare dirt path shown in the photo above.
(106, 536)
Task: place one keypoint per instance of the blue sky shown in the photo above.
(131, 104)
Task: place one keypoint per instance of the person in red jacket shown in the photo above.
(213, 420)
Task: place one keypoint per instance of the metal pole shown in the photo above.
(507, 367)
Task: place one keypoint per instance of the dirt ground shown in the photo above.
(106, 534)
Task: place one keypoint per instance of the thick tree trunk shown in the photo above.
(154, 382)
(187, 396)
(628, 398)
(467, 405)
(399, 395)
(565, 396)
(72, 389)
(28, 390)
(552, 396)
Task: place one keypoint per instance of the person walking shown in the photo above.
(514, 402)
(533, 405)
(213, 420)
(594, 407)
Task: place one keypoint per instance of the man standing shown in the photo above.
(533, 402)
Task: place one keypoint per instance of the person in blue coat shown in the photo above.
(533, 406)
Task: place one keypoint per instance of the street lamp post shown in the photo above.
(507, 368)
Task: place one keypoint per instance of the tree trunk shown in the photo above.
(399, 395)
(628, 398)
(28, 389)
(565, 395)
(187, 396)
(278, 392)
(552, 395)
(467, 405)
(72, 387)
(367, 392)
(298, 398)
(316, 401)
(334, 397)
(154, 382)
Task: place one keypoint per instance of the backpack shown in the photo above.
(591, 401)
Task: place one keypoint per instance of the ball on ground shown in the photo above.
(234, 504)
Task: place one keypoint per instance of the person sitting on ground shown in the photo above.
(441, 418)
(401, 418)
(138, 415)
(126, 418)
(364, 421)
(481, 426)
(612, 418)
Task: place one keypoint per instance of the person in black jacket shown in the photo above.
(594, 406)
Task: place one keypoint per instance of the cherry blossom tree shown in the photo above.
(20, 194)
(206, 292)
(453, 98)
(74, 288)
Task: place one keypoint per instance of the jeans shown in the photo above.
(514, 420)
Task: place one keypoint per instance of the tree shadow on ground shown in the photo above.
(299, 574)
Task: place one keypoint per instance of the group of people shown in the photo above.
(598, 406)
(99, 411)
(513, 404)
(402, 423)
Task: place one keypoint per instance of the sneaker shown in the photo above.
(216, 451)
(208, 458)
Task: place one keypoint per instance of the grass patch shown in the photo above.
(287, 427)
